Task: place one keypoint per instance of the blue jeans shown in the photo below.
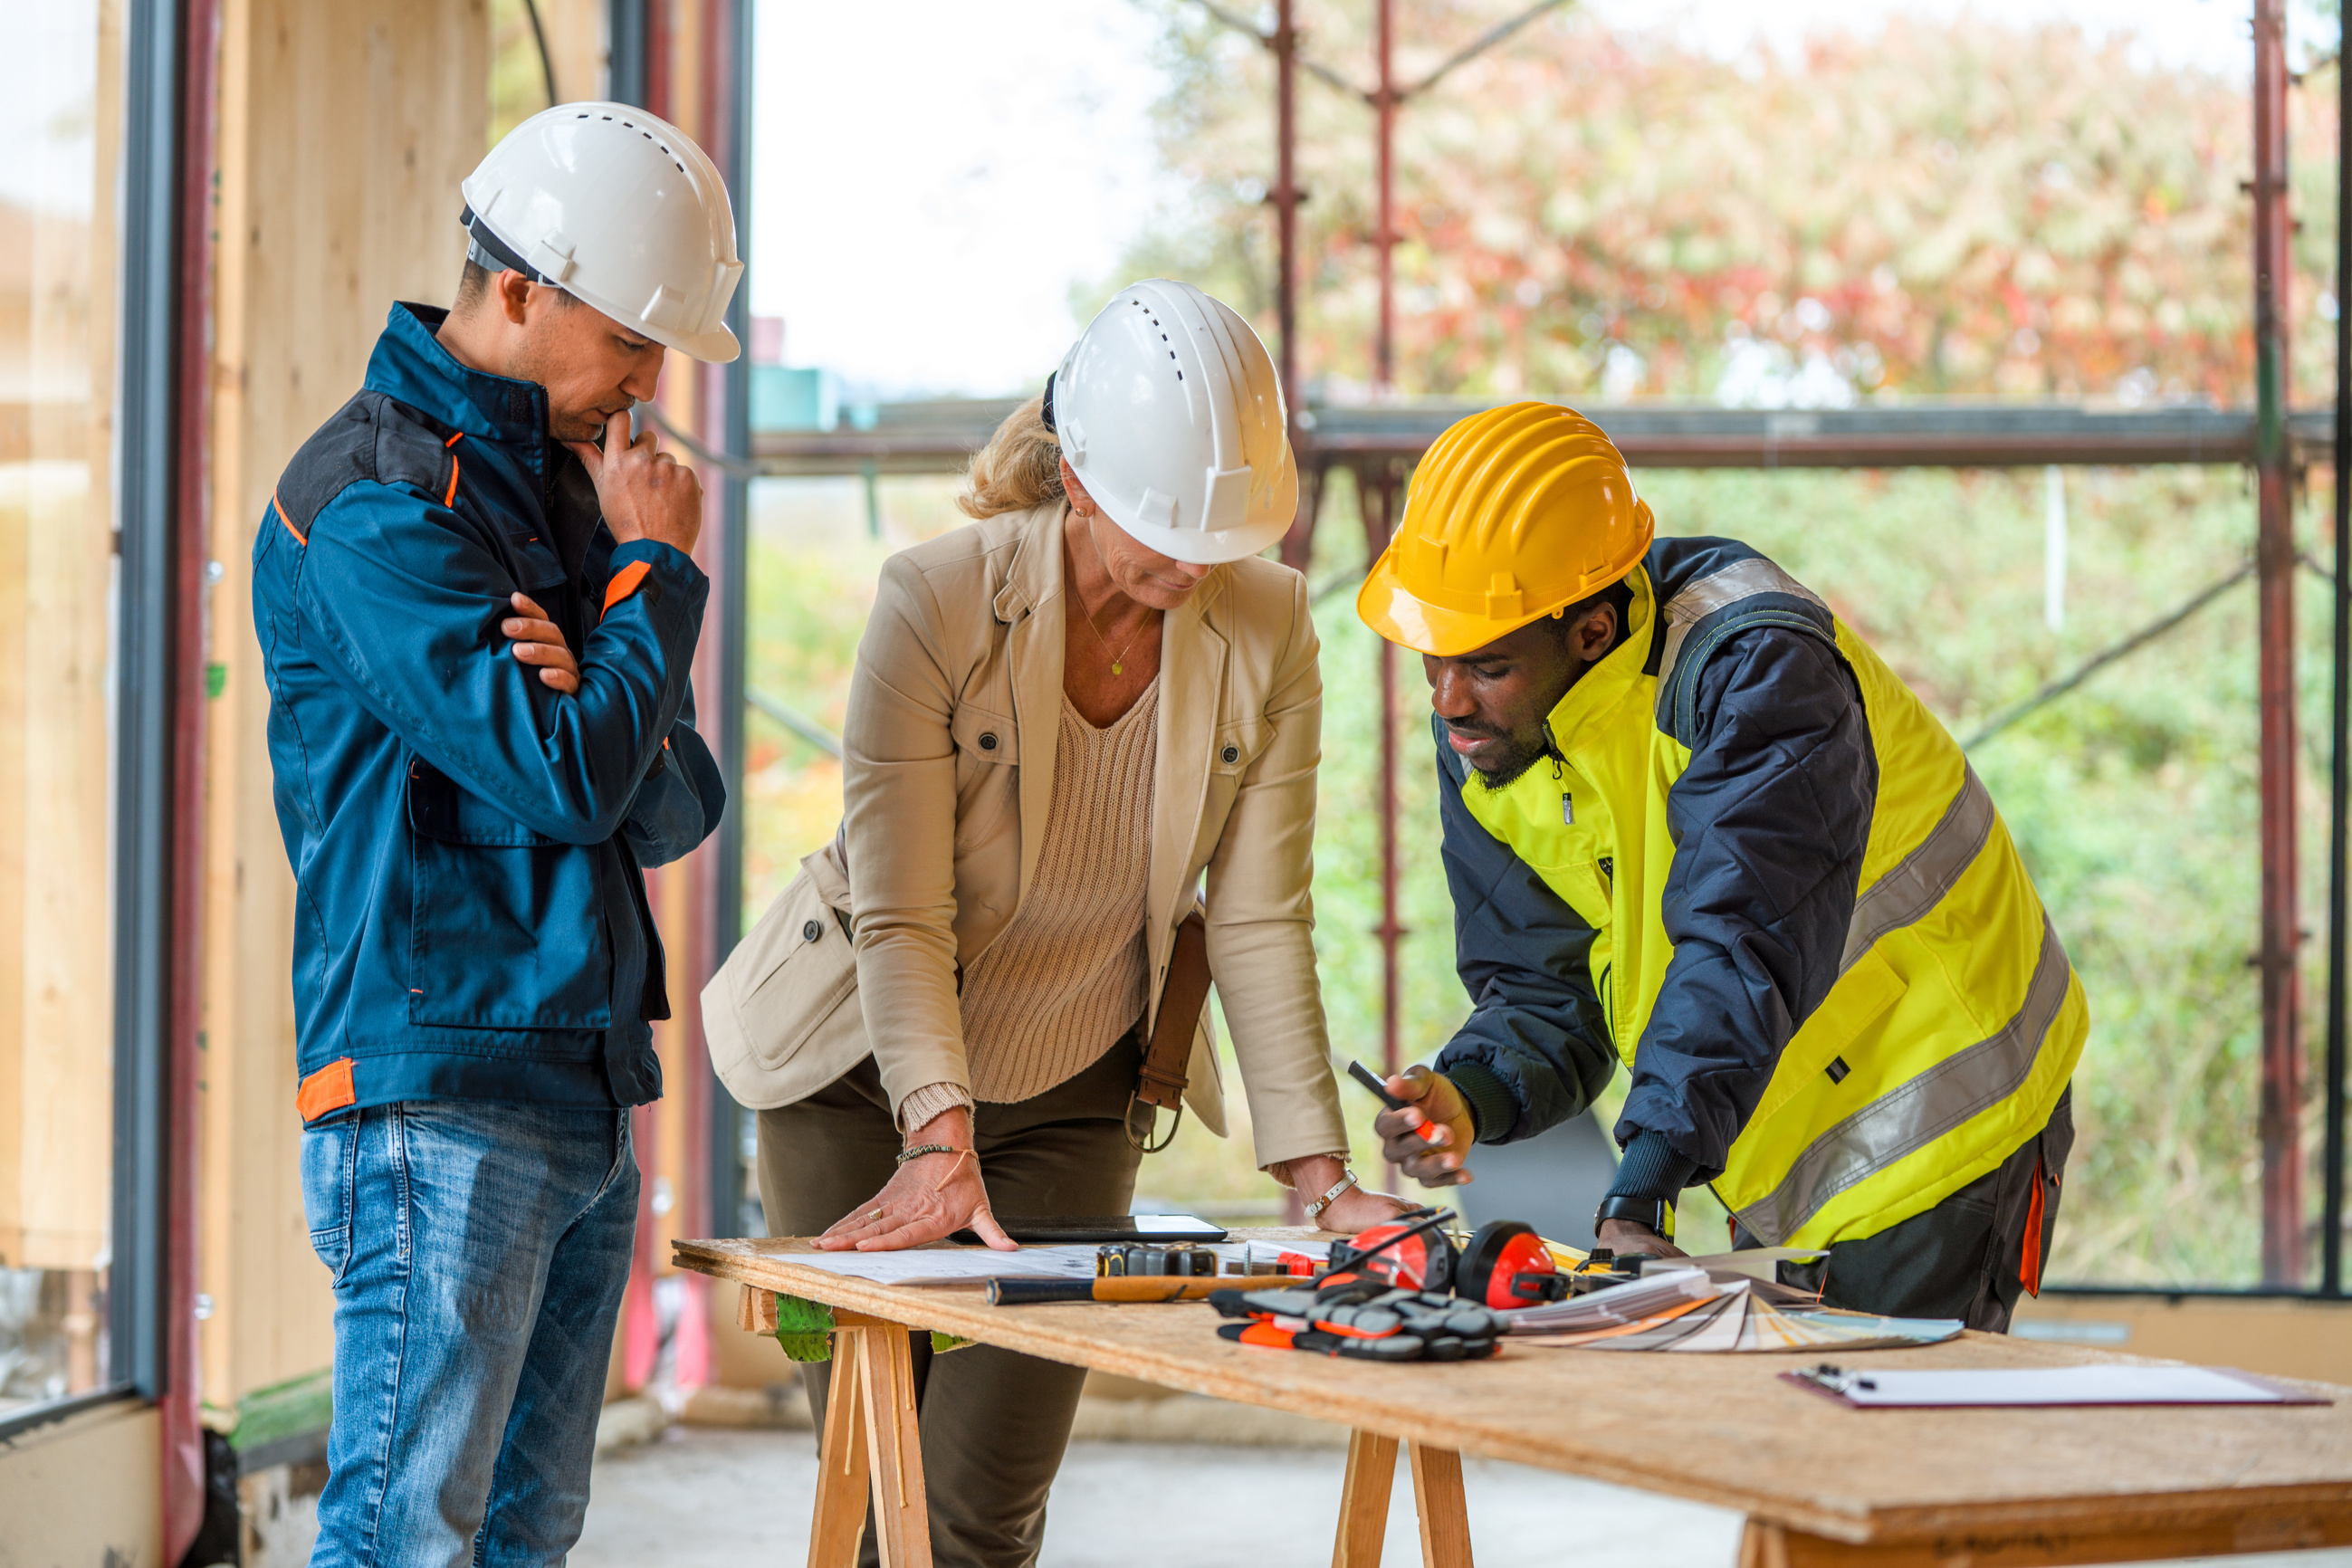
(479, 1250)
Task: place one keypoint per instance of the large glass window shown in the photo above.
(59, 238)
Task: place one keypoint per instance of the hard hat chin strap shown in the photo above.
(491, 254)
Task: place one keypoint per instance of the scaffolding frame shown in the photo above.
(1378, 443)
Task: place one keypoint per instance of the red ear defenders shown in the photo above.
(1505, 1265)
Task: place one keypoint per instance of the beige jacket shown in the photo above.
(954, 712)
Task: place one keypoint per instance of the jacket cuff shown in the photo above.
(1493, 1111)
(1651, 1169)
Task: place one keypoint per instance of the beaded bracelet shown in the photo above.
(919, 1149)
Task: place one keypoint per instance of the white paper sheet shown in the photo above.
(1912, 1388)
(1073, 1260)
(956, 1265)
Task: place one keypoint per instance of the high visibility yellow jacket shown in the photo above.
(1761, 874)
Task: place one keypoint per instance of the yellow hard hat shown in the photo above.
(1514, 514)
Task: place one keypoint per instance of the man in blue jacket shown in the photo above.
(478, 609)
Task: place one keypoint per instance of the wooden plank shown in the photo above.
(342, 132)
(1364, 1501)
(841, 1486)
(1437, 1500)
(1723, 1430)
(58, 334)
(902, 1520)
(2119, 1539)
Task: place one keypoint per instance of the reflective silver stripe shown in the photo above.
(1913, 1114)
(1719, 590)
(1921, 878)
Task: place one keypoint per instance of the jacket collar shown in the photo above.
(410, 364)
(1193, 650)
(1035, 576)
(1595, 698)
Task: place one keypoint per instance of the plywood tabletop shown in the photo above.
(1719, 1429)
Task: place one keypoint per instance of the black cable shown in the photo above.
(2099, 661)
(546, 62)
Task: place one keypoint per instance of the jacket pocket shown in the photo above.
(1238, 744)
(507, 927)
(792, 974)
(988, 771)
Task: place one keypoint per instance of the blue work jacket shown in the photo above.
(471, 919)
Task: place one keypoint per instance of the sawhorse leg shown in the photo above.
(871, 1450)
(1436, 1496)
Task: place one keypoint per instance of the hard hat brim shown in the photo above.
(1199, 547)
(1386, 606)
(711, 348)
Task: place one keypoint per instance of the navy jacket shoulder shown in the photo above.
(466, 843)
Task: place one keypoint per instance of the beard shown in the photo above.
(531, 362)
(1518, 756)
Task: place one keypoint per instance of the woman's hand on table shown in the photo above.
(1312, 1175)
(1357, 1209)
(929, 1197)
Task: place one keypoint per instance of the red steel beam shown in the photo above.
(2282, 1039)
(1298, 544)
(1379, 521)
(1384, 102)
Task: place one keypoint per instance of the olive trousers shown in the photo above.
(993, 1423)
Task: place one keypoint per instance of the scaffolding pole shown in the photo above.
(2282, 1044)
(2340, 823)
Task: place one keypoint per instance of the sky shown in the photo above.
(930, 183)
(45, 114)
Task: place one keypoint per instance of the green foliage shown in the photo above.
(1937, 207)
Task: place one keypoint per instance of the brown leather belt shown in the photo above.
(1160, 1084)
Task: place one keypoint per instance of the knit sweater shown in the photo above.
(1069, 974)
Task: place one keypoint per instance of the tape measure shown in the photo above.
(1122, 1258)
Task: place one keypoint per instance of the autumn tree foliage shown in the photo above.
(1925, 209)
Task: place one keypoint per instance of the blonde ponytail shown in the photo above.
(1020, 467)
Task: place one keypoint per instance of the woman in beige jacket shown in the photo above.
(1063, 719)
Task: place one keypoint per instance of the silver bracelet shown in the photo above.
(919, 1149)
(1315, 1210)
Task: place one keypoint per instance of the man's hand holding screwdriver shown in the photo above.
(1429, 1137)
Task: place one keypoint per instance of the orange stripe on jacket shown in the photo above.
(451, 498)
(329, 1088)
(280, 507)
(625, 581)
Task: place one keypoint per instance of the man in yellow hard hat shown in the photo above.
(1693, 824)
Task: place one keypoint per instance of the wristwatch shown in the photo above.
(1655, 1213)
(1315, 1210)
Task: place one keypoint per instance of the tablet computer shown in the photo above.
(1047, 1230)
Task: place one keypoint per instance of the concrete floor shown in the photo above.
(714, 1497)
(708, 1498)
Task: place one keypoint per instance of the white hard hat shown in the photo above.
(619, 209)
(1171, 415)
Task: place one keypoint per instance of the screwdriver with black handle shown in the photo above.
(1125, 1287)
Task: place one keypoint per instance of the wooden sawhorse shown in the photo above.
(871, 1451)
